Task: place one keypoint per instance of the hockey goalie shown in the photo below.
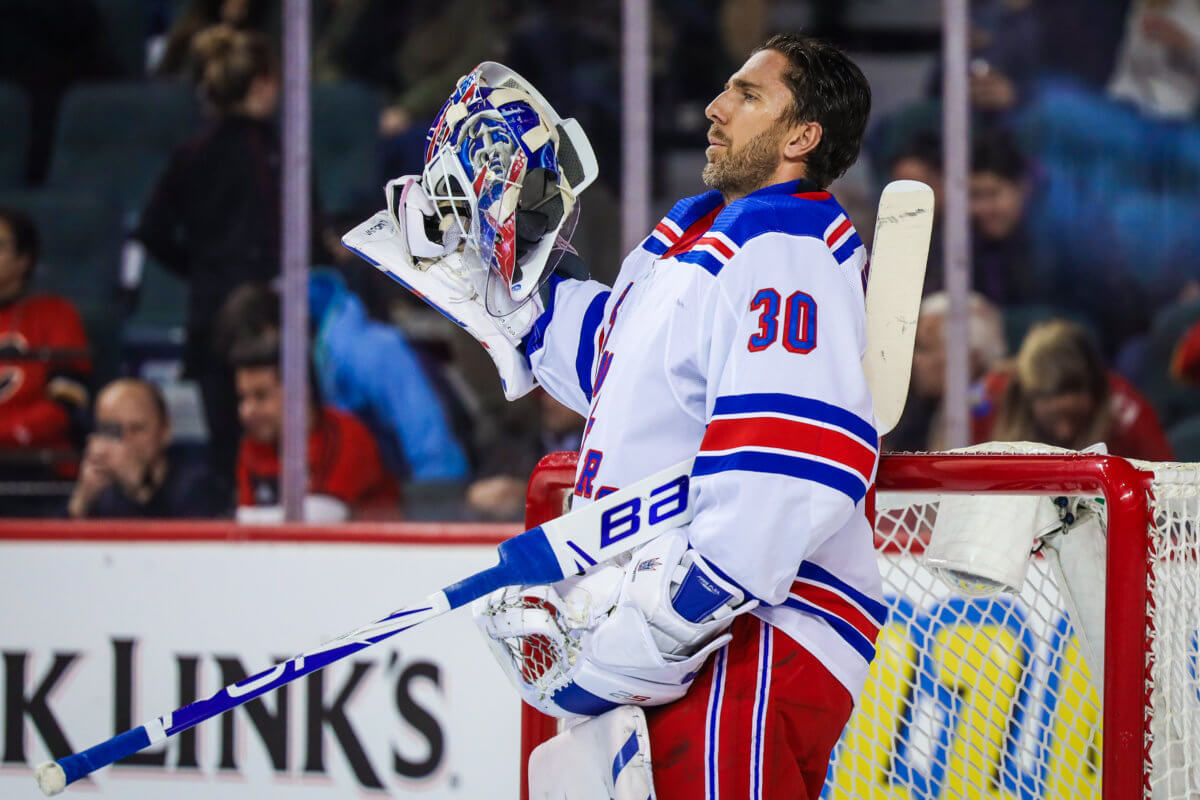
(724, 657)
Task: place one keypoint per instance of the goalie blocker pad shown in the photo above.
(603, 758)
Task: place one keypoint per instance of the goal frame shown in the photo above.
(1125, 488)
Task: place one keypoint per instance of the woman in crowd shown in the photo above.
(213, 217)
(1059, 392)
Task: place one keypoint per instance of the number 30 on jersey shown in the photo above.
(799, 327)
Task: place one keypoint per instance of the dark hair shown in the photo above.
(830, 89)
(265, 350)
(997, 152)
(250, 311)
(923, 145)
(25, 235)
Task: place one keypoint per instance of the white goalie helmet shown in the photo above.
(504, 172)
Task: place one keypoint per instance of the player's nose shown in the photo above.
(715, 110)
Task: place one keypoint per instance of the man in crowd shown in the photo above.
(127, 470)
(346, 476)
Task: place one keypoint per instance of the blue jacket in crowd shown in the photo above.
(369, 369)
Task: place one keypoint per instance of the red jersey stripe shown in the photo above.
(813, 195)
(834, 603)
(713, 241)
(837, 232)
(787, 434)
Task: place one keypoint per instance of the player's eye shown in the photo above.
(748, 96)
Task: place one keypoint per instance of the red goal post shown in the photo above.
(994, 701)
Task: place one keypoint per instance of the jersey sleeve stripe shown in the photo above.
(793, 405)
(854, 637)
(811, 573)
(847, 249)
(839, 228)
(586, 355)
(703, 258)
(669, 229)
(836, 604)
(722, 248)
(833, 477)
(787, 434)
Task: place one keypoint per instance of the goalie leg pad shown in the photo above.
(603, 758)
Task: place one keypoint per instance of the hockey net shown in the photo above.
(992, 697)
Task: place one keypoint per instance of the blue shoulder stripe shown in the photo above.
(808, 407)
(778, 464)
(654, 245)
(748, 218)
(843, 253)
(690, 209)
(702, 258)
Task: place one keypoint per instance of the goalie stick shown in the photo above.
(899, 252)
(603, 530)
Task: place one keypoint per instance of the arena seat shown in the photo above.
(345, 117)
(117, 137)
(14, 135)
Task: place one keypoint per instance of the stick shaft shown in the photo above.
(107, 752)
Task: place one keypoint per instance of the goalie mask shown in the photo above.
(504, 172)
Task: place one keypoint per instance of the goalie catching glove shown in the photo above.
(397, 242)
(634, 634)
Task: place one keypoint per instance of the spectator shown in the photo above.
(46, 48)
(213, 217)
(919, 158)
(1185, 358)
(921, 427)
(501, 493)
(364, 367)
(1158, 66)
(128, 470)
(345, 475)
(44, 364)
(245, 15)
(1004, 260)
(402, 49)
(1060, 392)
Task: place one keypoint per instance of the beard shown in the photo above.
(749, 167)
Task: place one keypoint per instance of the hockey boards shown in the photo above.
(899, 252)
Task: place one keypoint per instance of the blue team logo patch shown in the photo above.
(649, 565)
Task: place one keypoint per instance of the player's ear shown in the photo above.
(801, 140)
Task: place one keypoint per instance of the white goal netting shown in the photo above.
(992, 698)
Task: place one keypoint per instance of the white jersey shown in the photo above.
(736, 334)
